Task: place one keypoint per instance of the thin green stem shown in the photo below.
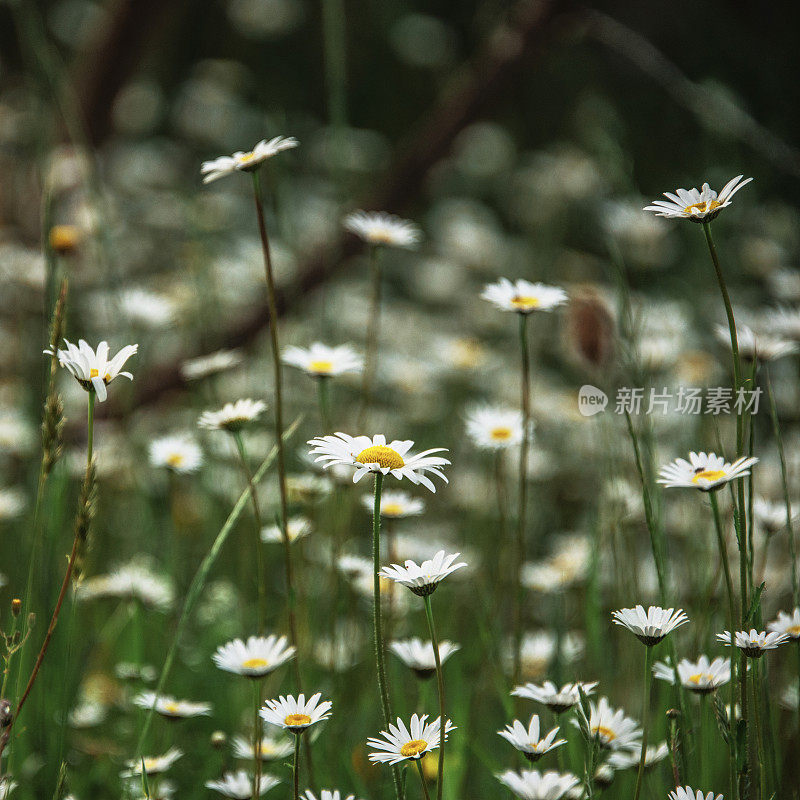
(440, 686)
(261, 577)
(703, 744)
(373, 334)
(90, 429)
(296, 766)
(422, 778)
(257, 738)
(648, 679)
(525, 401)
(762, 756)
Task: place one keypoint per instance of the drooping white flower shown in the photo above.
(788, 624)
(248, 161)
(255, 658)
(704, 471)
(381, 229)
(239, 785)
(401, 743)
(697, 206)
(374, 455)
(232, 417)
(93, 369)
(168, 706)
(753, 643)
(420, 656)
(701, 676)
(650, 626)
(295, 714)
(423, 578)
(177, 452)
(534, 785)
(557, 700)
(523, 296)
(321, 361)
(528, 741)
(494, 427)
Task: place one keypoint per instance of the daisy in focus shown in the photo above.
(374, 455)
(321, 361)
(494, 427)
(557, 700)
(248, 161)
(178, 452)
(523, 296)
(704, 471)
(423, 578)
(256, 658)
(327, 794)
(401, 743)
(535, 785)
(93, 369)
(420, 657)
(697, 206)
(701, 676)
(380, 229)
(170, 707)
(612, 728)
(687, 793)
(788, 624)
(295, 714)
(239, 784)
(753, 644)
(650, 626)
(232, 417)
(527, 740)
(395, 505)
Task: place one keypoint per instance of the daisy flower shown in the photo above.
(534, 785)
(527, 740)
(395, 505)
(423, 578)
(772, 516)
(401, 743)
(377, 228)
(203, 366)
(523, 296)
(687, 793)
(92, 369)
(294, 713)
(614, 731)
(753, 644)
(650, 626)
(697, 206)
(419, 655)
(232, 417)
(296, 527)
(326, 794)
(269, 749)
(248, 161)
(374, 455)
(557, 700)
(321, 361)
(704, 471)
(6, 787)
(170, 707)
(494, 427)
(628, 759)
(760, 346)
(178, 452)
(254, 659)
(788, 624)
(701, 676)
(153, 765)
(240, 785)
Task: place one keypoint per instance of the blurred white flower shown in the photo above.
(177, 452)
(380, 229)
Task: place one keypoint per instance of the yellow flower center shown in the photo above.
(794, 630)
(246, 157)
(321, 367)
(702, 208)
(381, 236)
(171, 708)
(604, 733)
(413, 748)
(94, 373)
(296, 720)
(64, 238)
(392, 510)
(708, 475)
(255, 663)
(151, 764)
(382, 455)
(697, 679)
(501, 434)
(524, 303)
(176, 460)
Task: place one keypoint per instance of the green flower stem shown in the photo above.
(702, 745)
(90, 430)
(525, 398)
(261, 578)
(373, 334)
(257, 738)
(762, 756)
(296, 766)
(422, 778)
(272, 304)
(648, 679)
(440, 686)
(376, 616)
